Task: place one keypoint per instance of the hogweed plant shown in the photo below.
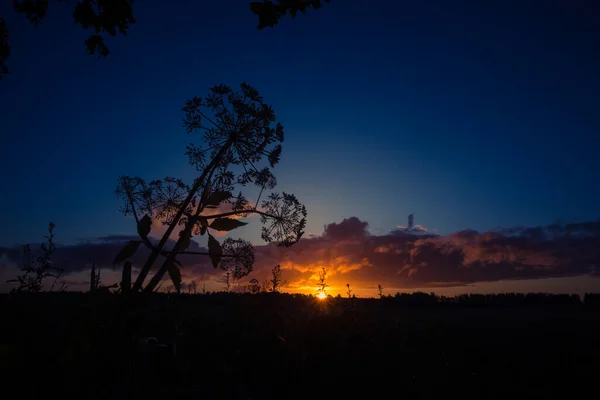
(239, 136)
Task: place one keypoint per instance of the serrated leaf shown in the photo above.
(226, 224)
(143, 226)
(127, 251)
(174, 274)
(215, 251)
(217, 198)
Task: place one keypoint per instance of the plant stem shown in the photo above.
(156, 252)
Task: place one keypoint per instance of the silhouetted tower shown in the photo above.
(411, 221)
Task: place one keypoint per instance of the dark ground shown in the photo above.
(226, 346)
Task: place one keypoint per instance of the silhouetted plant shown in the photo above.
(322, 286)
(270, 12)
(95, 283)
(99, 15)
(348, 292)
(94, 278)
(35, 272)
(274, 284)
(253, 286)
(238, 134)
(380, 290)
(228, 281)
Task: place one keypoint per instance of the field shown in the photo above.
(278, 346)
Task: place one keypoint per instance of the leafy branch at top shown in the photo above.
(112, 16)
(101, 16)
(270, 12)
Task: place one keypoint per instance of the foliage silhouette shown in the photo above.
(96, 284)
(36, 272)
(270, 12)
(228, 281)
(274, 284)
(101, 16)
(239, 133)
(94, 278)
(112, 16)
(253, 286)
(322, 285)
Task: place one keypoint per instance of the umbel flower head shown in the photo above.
(240, 142)
(286, 219)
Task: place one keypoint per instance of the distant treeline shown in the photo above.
(495, 300)
(416, 299)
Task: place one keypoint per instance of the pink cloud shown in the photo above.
(350, 254)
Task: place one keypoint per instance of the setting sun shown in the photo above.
(321, 295)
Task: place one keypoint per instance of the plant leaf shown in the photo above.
(127, 251)
(214, 250)
(143, 227)
(217, 198)
(175, 274)
(186, 243)
(226, 224)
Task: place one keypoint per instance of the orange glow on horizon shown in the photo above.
(321, 296)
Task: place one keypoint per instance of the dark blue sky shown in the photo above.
(469, 115)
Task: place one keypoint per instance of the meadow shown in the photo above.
(279, 346)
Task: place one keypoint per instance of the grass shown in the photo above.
(273, 346)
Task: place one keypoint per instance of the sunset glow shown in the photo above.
(321, 296)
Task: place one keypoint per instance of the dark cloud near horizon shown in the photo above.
(349, 228)
(351, 254)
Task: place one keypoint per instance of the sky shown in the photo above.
(472, 116)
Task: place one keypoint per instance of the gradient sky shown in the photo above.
(468, 115)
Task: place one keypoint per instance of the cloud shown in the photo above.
(399, 259)
(349, 228)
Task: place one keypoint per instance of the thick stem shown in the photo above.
(163, 269)
(175, 251)
(156, 252)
